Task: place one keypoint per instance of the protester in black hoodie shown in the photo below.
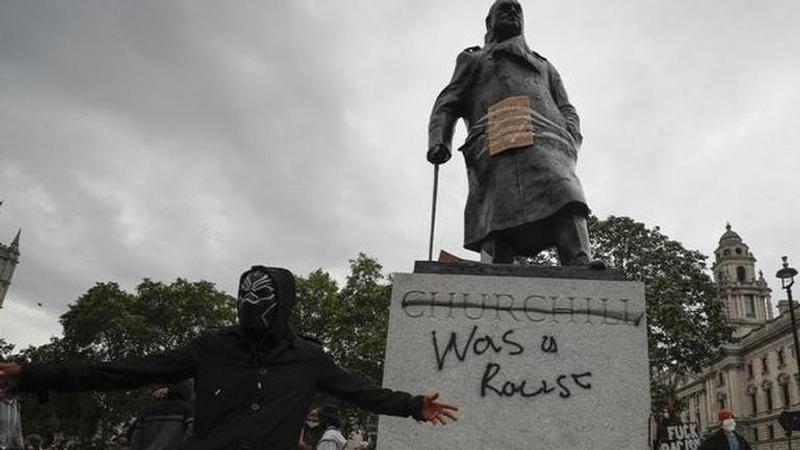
(253, 383)
(167, 423)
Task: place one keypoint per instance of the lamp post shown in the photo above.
(787, 274)
(790, 420)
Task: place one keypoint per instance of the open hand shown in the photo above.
(437, 412)
(9, 379)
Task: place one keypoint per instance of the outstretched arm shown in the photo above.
(167, 367)
(336, 382)
(448, 108)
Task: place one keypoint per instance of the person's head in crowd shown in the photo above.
(329, 417)
(33, 442)
(312, 419)
(160, 392)
(727, 419)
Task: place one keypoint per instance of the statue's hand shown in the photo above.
(438, 154)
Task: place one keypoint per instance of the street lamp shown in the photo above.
(787, 274)
(790, 421)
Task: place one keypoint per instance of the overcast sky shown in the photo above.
(195, 138)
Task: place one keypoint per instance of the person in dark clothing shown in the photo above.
(167, 423)
(725, 438)
(311, 432)
(253, 382)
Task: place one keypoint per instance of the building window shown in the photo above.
(738, 251)
(721, 403)
(697, 419)
(768, 395)
(755, 434)
(750, 373)
(720, 379)
(749, 306)
(764, 364)
(726, 252)
(740, 274)
(785, 391)
(770, 431)
(781, 357)
(754, 404)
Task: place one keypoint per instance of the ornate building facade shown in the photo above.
(755, 376)
(9, 258)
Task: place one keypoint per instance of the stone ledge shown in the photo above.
(515, 270)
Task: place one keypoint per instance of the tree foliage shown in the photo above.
(5, 349)
(108, 323)
(350, 322)
(686, 324)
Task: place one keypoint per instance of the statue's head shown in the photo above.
(504, 21)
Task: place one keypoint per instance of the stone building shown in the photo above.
(9, 258)
(756, 376)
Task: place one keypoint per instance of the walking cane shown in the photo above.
(433, 209)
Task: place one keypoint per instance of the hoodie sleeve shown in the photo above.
(128, 373)
(334, 381)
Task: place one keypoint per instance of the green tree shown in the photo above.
(5, 349)
(686, 324)
(108, 323)
(351, 323)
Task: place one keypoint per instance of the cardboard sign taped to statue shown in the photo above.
(510, 124)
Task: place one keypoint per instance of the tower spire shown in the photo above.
(744, 290)
(15, 243)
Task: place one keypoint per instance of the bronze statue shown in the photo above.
(521, 148)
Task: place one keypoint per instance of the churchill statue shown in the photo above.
(520, 151)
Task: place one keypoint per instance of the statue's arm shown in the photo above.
(562, 101)
(449, 106)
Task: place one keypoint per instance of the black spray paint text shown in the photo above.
(478, 345)
(563, 384)
(515, 308)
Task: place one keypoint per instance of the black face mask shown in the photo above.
(257, 305)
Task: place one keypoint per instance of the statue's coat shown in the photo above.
(520, 185)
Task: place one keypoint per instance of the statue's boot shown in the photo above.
(572, 242)
(496, 251)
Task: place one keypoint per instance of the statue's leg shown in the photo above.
(496, 251)
(572, 240)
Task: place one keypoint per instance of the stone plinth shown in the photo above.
(534, 360)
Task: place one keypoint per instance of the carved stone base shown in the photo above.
(536, 357)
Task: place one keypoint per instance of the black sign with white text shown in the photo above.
(684, 436)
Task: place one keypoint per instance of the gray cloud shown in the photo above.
(155, 139)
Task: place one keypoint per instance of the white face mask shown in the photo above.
(728, 424)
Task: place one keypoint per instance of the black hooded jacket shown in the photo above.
(251, 393)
